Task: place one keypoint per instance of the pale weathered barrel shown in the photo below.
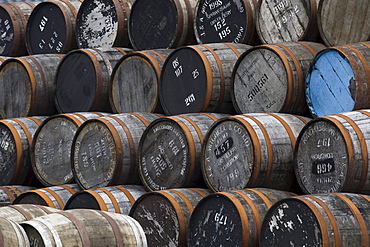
(104, 150)
(135, 81)
(22, 212)
(9, 192)
(82, 79)
(337, 80)
(271, 78)
(13, 22)
(117, 199)
(54, 196)
(287, 20)
(334, 219)
(197, 78)
(155, 24)
(251, 150)
(51, 27)
(164, 215)
(232, 218)
(170, 148)
(226, 21)
(15, 142)
(343, 22)
(27, 85)
(85, 227)
(52, 144)
(103, 23)
(12, 234)
(332, 154)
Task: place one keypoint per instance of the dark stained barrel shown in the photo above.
(83, 77)
(251, 150)
(12, 234)
(164, 215)
(169, 151)
(337, 80)
(197, 78)
(271, 78)
(232, 218)
(226, 21)
(343, 22)
(104, 150)
(135, 81)
(287, 20)
(103, 23)
(332, 154)
(155, 24)
(117, 199)
(27, 85)
(14, 17)
(51, 147)
(333, 219)
(9, 192)
(22, 212)
(54, 196)
(51, 27)
(16, 137)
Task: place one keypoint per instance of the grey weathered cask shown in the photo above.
(104, 150)
(9, 192)
(22, 212)
(135, 81)
(271, 78)
(12, 234)
(251, 150)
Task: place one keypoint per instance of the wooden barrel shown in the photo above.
(197, 78)
(156, 24)
(117, 199)
(271, 78)
(231, 218)
(27, 85)
(54, 196)
(135, 82)
(14, 17)
(332, 154)
(104, 149)
(103, 23)
(83, 77)
(164, 215)
(15, 142)
(337, 80)
(51, 27)
(9, 192)
(343, 22)
(287, 20)
(169, 151)
(334, 219)
(251, 150)
(85, 227)
(51, 147)
(12, 234)
(226, 21)
(22, 212)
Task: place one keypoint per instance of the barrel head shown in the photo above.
(8, 37)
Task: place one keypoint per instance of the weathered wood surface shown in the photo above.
(165, 214)
(9, 192)
(251, 150)
(271, 78)
(232, 218)
(287, 20)
(197, 78)
(226, 21)
(12, 234)
(51, 27)
(344, 22)
(135, 81)
(333, 219)
(337, 80)
(22, 212)
(332, 154)
(104, 150)
(169, 151)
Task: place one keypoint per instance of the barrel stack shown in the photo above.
(185, 123)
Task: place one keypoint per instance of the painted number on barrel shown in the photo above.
(224, 147)
(220, 219)
(323, 142)
(177, 67)
(43, 23)
(323, 166)
(189, 99)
